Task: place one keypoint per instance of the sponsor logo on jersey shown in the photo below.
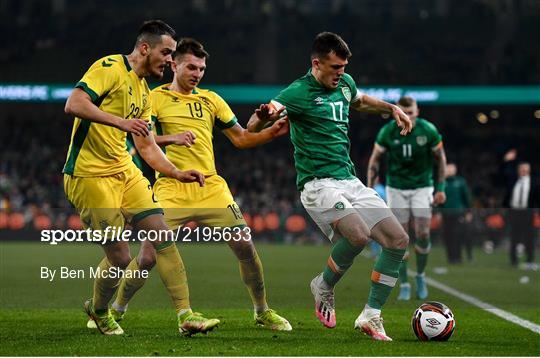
(421, 140)
(130, 91)
(205, 100)
(347, 93)
(396, 141)
(339, 206)
(318, 101)
(176, 100)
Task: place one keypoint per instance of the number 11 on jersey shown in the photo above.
(407, 150)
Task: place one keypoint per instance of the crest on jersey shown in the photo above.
(347, 93)
(421, 140)
(339, 206)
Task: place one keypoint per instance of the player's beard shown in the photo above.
(149, 65)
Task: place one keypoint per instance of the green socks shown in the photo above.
(403, 278)
(422, 248)
(340, 259)
(384, 276)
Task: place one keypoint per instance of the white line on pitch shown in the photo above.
(483, 305)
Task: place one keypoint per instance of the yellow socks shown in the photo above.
(129, 285)
(251, 271)
(173, 274)
(104, 287)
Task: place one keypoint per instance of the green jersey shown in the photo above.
(457, 193)
(319, 124)
(410, 157)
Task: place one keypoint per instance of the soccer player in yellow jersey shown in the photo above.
(182, 109)
(101, 181)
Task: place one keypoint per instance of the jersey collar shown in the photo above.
(126, 63)
(312, 80)
(167, 87)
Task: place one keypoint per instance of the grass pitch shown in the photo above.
(38, 317)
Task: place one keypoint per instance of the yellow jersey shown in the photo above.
(199, 112)
(97, 149)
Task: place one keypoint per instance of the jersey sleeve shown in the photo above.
(292, 98)
(154, 104)
(154, 107)
(146, 113)
(435, 136)
(99, 80)
(224, 117)
(355, 93)
(382, 138)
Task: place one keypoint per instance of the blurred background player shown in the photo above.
(456, 216)
(523, 197)
(100, 179)
(184, 117)
(345, 210)
(409, 183)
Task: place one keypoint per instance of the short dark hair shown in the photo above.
(406, 101)
(192, 46)
(328, 42)
(152, 30)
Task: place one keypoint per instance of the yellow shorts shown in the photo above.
(212, 205)
(106, 201)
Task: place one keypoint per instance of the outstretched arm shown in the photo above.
(154, 156)
(440, 159)
(243, 138)
(80, 104)
(366, 103)
(263, 115)
(374, 164)
(186, 138)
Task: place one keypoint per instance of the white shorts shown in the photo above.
(404, 201)
(328, 200)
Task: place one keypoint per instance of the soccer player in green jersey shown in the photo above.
(347, 212)
(409, 183)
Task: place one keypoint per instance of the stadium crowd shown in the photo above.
(478, 42)
(262, 179)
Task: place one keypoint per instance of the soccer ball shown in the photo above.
(433, 321)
